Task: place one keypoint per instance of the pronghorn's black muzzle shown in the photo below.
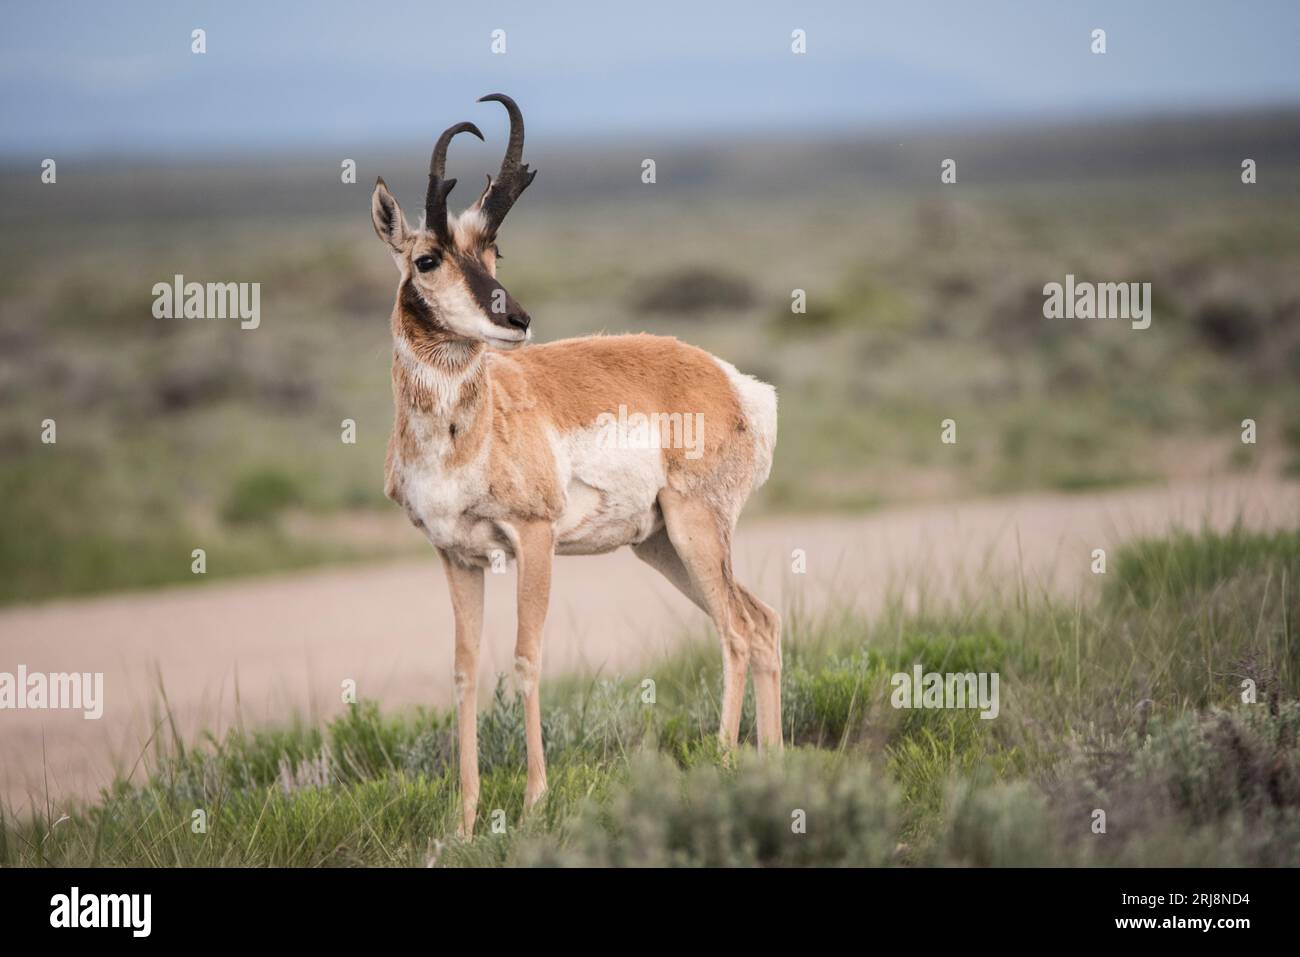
(493, 298)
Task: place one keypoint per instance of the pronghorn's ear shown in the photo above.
(390, 224)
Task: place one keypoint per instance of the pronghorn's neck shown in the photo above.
(441, 386)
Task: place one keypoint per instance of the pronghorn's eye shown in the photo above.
(425, 263)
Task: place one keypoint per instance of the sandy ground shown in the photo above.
(271, 648)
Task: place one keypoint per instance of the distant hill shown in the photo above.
(309, 184)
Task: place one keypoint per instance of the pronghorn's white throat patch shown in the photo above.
(442, 384)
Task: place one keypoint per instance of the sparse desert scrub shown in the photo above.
(918, 308)
(1131, 703)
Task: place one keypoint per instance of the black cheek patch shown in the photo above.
(414, 306)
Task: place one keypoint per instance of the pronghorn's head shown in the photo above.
(448, 288)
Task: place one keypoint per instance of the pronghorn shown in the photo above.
(502, 452)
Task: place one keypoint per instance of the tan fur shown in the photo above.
(466, 586)
(531, 390)
(535, 546)
(492, 451)
(645, 373)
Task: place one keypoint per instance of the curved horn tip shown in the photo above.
(459, 128)
(499, 97)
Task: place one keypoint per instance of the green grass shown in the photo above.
(1189, 564)
(1131, 703)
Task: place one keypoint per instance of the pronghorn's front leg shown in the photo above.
(535, 547)
(466, 586)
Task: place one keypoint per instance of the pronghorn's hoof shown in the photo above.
(465, 829)
(532, 800)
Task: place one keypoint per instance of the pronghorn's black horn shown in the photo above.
(515, 175)
(435, 200)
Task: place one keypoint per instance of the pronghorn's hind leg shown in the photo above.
(765, 664)
(696, 557)
(658, 552)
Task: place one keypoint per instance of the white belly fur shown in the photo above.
(610, 493)
(442, 502)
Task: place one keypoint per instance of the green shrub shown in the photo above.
(804, 809)
(259, 497)
(996, 825)
(831, 703)
(691, 290)
(1132, 710)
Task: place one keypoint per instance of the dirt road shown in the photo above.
(267, 649)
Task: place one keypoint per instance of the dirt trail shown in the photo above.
(270, 648)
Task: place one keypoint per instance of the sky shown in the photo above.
(120, 78)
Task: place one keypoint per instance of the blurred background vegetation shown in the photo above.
(924, 302)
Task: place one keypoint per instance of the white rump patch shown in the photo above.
(758, 405)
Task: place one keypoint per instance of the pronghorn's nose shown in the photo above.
(519, 319)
